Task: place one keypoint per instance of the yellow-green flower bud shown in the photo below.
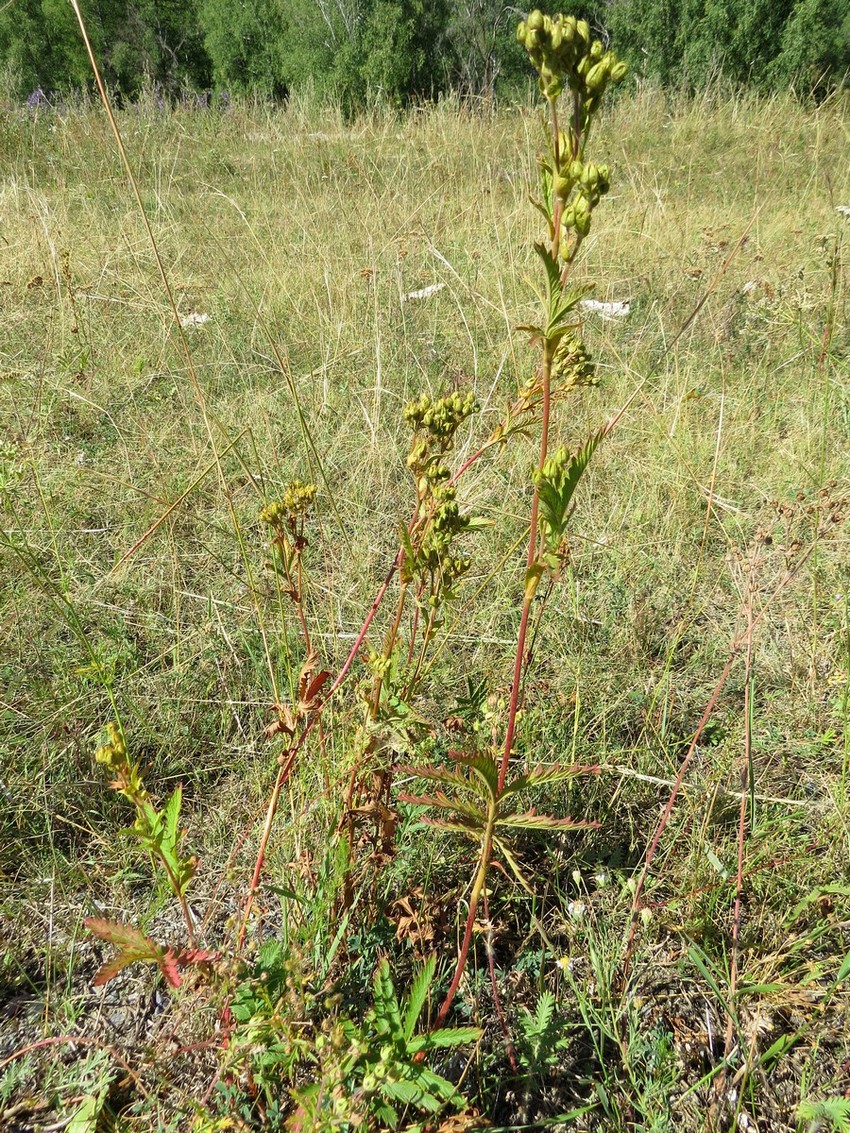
(619, 71)
(596, 76)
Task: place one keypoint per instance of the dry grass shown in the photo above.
(301, 236)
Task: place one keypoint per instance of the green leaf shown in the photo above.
(409, 1093)
(776, 1049)
(484, 767)
(387, 1013)
(545, 774)
(835, 889)
(532, 580)
(514, 866)
(756, 989)
(418, 995)
(559, 303)
(545, 1012)
(85, 1116)
(702, 962)
(445, 1037)
(443, 802)
(171, 818)
(384, 1112)
(529, 820)
(553, 278)
(835, 1111)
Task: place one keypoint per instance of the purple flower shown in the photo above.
(38, 98)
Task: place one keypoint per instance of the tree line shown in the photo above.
(403, 50)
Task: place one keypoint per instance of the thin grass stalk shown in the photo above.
(746, 786)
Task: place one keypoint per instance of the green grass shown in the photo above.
(300, 236)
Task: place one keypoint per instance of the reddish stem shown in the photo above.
(286, 766)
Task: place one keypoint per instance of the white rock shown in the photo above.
(425, 293)
(613, 310)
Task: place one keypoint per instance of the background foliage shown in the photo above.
(357, 51)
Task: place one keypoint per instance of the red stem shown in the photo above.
(286, 766)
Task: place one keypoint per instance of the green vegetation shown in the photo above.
(360, 52)
(481, 761)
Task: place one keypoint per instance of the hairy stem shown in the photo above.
(519, 659)
(474, 899)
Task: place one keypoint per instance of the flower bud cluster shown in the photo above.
(441, 418)
(565, 56)
(113, 755)
(562, 52)
(114, 752)
(572, 364)
(296, 501)
(555, 468)
(436, 555)
(435, 423)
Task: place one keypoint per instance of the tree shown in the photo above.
(245, 41)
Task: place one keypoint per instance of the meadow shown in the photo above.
(695, 652)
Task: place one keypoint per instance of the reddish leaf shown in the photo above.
(169, 963)
(132, 944)
(110, 970)
(317, 684)
(197, 956)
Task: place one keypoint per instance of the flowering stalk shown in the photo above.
(566, 59)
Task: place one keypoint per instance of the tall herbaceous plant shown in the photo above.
(373, 1070)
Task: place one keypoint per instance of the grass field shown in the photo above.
(135, 585)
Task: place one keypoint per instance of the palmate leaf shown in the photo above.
(424, 1095)
(440, 775)
(835, 1111)
(469, 829)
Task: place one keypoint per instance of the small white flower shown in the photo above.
(425, 293)
(843, 209)
(575, 910)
